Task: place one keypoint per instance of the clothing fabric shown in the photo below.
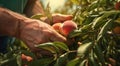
(16, 6)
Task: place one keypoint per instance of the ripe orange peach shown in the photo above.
(67, 27)
(116, 30)
(29, 58)
(23, 56)
(57, 26)
(117, 6)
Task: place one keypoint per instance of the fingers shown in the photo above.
(60, 38)
(57, 37)
(57, 18)
(61, 18)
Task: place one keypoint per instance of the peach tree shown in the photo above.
(96, 41)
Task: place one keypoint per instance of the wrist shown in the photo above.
(10, 22)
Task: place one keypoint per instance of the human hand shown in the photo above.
(35, 32)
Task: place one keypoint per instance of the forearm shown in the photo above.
(33, 7)
(10, 22)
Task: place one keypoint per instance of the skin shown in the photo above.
(67, 27)
(30, 31)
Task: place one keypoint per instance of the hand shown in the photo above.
(35, 32)
(57, 18)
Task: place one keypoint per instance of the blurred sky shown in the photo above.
(54, 3)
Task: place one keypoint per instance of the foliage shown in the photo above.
(95, 43)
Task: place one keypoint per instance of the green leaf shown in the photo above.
(75, 2)
(99, 54)
(9, 61)
(84, 49)
(93, 6)
(83, 63)
(62, 60)
(104, 29)
(81, 31)
(117, 20)
(19, 61)
(85, 28)
(48, 13)
(89, 19)
(61, 45)
(74, 33)
(48, 46)
(92, 60)
(38, 16)
(100, 19)
(73, 62)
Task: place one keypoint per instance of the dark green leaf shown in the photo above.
(85, 28)
(93, 6)
(83, 63)
(92, 60)
(75, 33)
(84, 49)
(73, 62)
(106, 14)
(81, 31)
(99, 54)
(48, 46)
(41, 62)
(9, 61)
(61, 61)
(104, 29)
(61, 45)
(19, 61)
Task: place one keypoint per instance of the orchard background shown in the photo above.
(96, 41)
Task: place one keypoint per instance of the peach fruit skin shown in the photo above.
(57, 26)
(67, 27)
(116, 30)
(117, 6)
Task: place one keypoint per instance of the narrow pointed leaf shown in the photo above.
(61, 45)
(104, 29)
(100, 19)
(48, 46)
(83, 63)
(92, 60)
(62, 60)
(99, 54)
(73, 62)
(38, 16)
(84, 49)
(19, 61)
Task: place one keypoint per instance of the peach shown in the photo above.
(116, 30)
(117, 6)
(67, 27)
(57, 26)
(29, 58)
(25, 57)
